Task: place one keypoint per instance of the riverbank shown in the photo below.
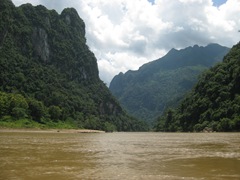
(52, 130)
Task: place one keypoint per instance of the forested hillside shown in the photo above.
(160, 84)
(48, 75)
(213, 104)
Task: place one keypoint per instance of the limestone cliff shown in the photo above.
(45, 59)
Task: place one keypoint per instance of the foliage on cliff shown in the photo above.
(48, 74)
(213, 104)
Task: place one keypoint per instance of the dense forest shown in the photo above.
(162, 83)
(214, 102)
(48, 75)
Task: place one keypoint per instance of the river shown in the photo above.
(63, 156)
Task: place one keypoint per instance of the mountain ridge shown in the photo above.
(149, 85)
(213, 103)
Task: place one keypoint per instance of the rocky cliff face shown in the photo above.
(40, 44)
(58, 40)
(44, 57)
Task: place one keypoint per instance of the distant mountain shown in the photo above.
(49, 76)
(159, 84)
(213, 104)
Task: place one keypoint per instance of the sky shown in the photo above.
(125, 34)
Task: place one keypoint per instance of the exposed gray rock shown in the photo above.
(68, 19)
(40, 44)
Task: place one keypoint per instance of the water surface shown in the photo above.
(34, 155)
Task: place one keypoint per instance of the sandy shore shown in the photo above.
(52, 130)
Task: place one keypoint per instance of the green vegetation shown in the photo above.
(149, 91)
(10, 122)
(213, 104)
(48, 75)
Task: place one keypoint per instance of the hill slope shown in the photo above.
(213, 104)
(48, 74)
(147, 92)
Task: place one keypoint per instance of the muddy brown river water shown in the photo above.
(60, 156)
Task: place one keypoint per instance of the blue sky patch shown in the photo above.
(216, 3)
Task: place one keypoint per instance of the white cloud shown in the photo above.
(125, 34)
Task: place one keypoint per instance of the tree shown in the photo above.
(37, 109)
(109, 127)
(4, 104)
(55, 112)
(19, 113)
